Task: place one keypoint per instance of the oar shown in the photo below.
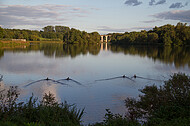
(69, 79)
(47, 79)
(60, 83)
(127, 78)
(124, 76)
(135, 76)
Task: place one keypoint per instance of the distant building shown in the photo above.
(23, 40)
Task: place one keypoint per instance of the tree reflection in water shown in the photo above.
(179, 56)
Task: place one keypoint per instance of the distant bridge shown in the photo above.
(105, 38)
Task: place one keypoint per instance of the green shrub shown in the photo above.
(116, 120)
(7, 124)
(47, 112)
(170, 102)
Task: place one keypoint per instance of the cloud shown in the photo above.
(151, 21)
(178, 5)
(106, 29)
(161, 2)
(27, 11)
(180, 15)
(153, 2)
(147, 28)
(24, 65)
(39, 15)
(109, 29)
(133, 2)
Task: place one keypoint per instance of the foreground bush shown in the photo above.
(47, 112)
(168, 105)
(116, 120)
(164, 105)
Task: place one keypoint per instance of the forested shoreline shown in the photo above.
(51, 33)
(164, 35)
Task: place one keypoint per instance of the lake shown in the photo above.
(96, 70)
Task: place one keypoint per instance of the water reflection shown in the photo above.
(39, 89)
(87, 63)
(62, 50)
(105, 46)
(55, 49)
(179, 56)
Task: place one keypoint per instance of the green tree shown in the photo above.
(1, 32)
(166, 35)
(142, 37)
(62, 29)
(34, 38)
(49, 29)
(94, 37)
(167, 39)
(152, 37)
(168, 103)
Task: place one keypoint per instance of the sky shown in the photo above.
(103, 16)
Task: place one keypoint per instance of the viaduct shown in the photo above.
(105, 38)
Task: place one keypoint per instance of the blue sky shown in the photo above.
(103, 16)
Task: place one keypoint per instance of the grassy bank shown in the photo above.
(13, 44)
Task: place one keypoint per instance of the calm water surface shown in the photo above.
(24, 64)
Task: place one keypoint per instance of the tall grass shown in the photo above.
(47, 112)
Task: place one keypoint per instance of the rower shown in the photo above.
(68, 78)
(135, 76)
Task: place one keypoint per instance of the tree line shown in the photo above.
(165, 35)
(49, 33)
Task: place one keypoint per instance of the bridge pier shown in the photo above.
(105, 38)
(102, 38)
